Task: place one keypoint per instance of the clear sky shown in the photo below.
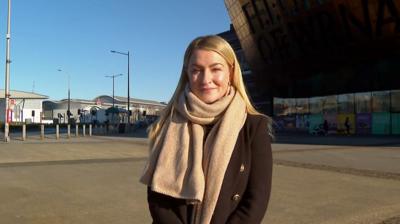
(77, 36)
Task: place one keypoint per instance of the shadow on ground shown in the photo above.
(137, 133)
(354, 140)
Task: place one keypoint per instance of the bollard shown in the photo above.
(68, 131)
(23, 132)
(42, 131)
(76, 130)
(90, 130)
(84, 130)
(57, 131)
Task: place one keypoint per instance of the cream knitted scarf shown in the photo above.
(181, 164)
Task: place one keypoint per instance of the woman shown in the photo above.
(211, 158)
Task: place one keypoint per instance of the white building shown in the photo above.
(24, 106)
(89, 111)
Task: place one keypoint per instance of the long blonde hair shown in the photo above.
(223, 48)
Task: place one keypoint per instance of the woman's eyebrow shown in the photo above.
(201, 66)
(215, 64)
(195, 65)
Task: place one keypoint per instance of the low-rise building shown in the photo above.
(98, 110)
(23, 106)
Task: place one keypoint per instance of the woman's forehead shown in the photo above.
(206, 56)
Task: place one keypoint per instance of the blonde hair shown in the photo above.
(223, 48)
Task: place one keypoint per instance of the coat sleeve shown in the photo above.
(254, 202)
(165, 209)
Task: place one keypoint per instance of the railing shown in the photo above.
(65, 131)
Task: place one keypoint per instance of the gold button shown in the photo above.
(236, 197)
(242, 168)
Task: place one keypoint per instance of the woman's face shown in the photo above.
(209, 75)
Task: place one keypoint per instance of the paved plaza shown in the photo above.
(94, 180)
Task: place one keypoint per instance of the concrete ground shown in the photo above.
(94, 180)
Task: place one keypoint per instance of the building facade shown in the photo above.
(317, 60)
(248, 77)
(24, 107)
(99, 110)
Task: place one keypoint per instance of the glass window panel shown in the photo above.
(302, 106)
(316, 105)
(278, 107)
(329, 104)
(290, 106)
(395, 100)
(284, 106)
(363, 102)
(346, 103)
(381, 101)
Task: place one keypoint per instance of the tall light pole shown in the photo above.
(113, 77)
(7, 79)
(69, 96)
(128, 107)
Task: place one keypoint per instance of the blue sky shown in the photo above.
(77, 36)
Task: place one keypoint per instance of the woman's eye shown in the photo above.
(195, 71)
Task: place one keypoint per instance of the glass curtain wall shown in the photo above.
(395, 109)
(362, 113)
(381, 113)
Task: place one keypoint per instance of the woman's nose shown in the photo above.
(207, 76)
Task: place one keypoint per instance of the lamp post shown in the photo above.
(113, 77)
(7, 78)
(128, 107)
(69, 96)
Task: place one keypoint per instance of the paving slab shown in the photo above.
(74, 149)
(305, 196)
(369, 158)
(95, 180)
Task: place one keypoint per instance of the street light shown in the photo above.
(69, 96)
(113, 77)
(7, 79)
(128, 107)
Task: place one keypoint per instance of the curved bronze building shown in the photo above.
(308, 48)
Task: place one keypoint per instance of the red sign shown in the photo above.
(9, 115)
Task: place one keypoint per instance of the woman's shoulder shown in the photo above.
(257, 119)
(258, 126)
(258, 122)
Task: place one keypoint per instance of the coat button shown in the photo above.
(236, 197)
(242, 168)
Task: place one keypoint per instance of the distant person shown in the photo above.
(326, 127)
(347, 125)
(211, 159)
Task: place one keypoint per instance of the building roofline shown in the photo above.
(29, 95)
